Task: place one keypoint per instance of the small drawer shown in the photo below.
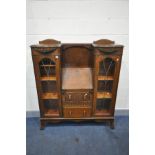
(77, 98)
(77, 112)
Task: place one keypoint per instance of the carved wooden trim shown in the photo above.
(109, 51)
(104, 42)
(45, 51)
(49, 42)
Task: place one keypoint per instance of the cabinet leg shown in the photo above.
(42, 125)
(112, 124)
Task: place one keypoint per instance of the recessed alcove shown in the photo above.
(77, 67)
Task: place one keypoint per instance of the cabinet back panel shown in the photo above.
(77, 56)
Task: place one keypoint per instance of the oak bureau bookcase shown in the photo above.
(76, 82)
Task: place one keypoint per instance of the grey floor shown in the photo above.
(77, 138)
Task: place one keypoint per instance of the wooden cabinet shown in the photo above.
(76, 81)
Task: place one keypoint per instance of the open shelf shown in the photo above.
(52, 95)
(108, 78)
(101, 95)
(48, 78)
(77, 78)
(102, 112)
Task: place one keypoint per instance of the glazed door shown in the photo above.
(47, 73)
(106, 75)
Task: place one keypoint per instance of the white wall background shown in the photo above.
(78, 21)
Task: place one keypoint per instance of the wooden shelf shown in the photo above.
(102, 112)
(109, 78)
(46, 78)
(47, 65)
(47, 96)
(51, 113)
(101, 95)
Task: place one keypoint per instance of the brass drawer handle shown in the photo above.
(70, 113)
(69, 96)
(85, 96)
(84, 113)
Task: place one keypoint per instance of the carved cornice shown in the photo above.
(104, 42)
(74, 46)
(49, 42)
(107, 51)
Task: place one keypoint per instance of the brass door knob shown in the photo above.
(56, 57)
(117, 59)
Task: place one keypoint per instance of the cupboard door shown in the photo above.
(105, 84)
(47, 73)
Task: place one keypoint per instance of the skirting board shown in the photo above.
(118, 112)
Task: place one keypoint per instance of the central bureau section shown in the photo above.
(77, 80)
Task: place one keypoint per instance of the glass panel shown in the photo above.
(49, 86)
(106, 67)
(103, 104)
(51, 104)
(105, 86)
(47, 67)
